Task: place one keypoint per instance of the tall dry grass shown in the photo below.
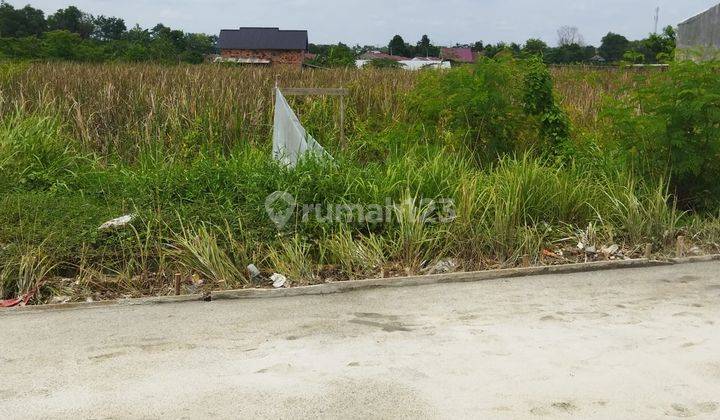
(582, 89)
(119, 108)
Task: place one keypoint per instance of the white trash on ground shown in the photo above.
(290, 140)
(278, 280)
(118, 222)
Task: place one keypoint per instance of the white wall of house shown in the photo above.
(413, 64)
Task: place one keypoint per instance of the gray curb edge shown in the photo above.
(346, 286)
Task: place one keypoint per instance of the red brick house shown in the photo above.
(269, 46)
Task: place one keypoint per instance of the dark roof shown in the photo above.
(262, 39)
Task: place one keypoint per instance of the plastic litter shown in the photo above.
(253, 271)
(290, 140)
(278, 280)
(118, 222)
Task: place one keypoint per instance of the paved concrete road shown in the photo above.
(641, 343)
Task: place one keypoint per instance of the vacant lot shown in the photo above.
(542, 166)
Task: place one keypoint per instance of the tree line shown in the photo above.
(570, 49)
(71, 34)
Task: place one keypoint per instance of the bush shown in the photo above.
(539, 101)
(670, 128)
(500, 106)
(61, 44)
(384, 63)
(482, 103)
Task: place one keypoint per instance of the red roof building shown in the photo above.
(459, 55)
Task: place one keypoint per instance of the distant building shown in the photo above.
(265, 46)
(458, 55)
(416, 63)
(698, 38)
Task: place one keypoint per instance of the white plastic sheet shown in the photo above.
(290, 140)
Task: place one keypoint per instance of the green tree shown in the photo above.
(633, 57)
(569, 54)
(534, 47)
(319, 49)
(136, 52)
(478, 47)
(196, 46)
(163, 49)
(109, 28)
(491, 51)
(340, 55)
(75, 35)
(138, 35)
(18, 23)
(73, 20)
(397, 46)
(613, 47)
(425, 48)
(659, 47)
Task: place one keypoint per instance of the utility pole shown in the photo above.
(657, 18)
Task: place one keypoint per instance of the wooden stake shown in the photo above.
(342, 122)
(526, 260)
(680, 246)
(178, 278)
(340, 92)
(648, 251)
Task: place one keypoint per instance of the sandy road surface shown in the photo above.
(640, 343)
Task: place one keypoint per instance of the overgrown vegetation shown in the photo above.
(671, 127)
(534, 161)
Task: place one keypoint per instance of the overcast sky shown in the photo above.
(376, 21)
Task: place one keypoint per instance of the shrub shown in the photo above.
(384, 63)
(539, 101)
(670, 128)
(482, 102)
(500, 106)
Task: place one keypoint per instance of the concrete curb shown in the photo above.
(346, 286)
(155, 300)
(464, 277)
(700, 258)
